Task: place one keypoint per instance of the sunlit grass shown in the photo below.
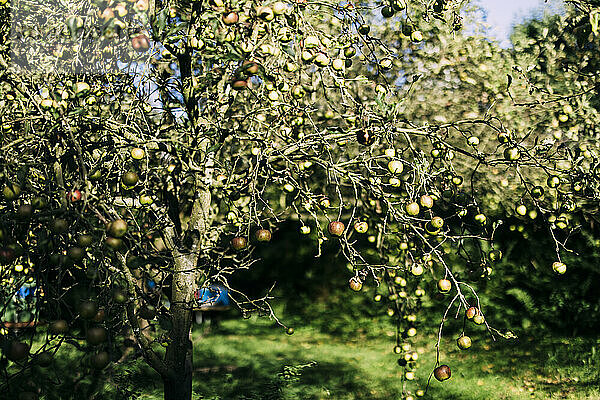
(253, 359)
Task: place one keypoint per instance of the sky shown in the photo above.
(501, 15)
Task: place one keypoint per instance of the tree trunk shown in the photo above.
(179, 385)
(178, 357)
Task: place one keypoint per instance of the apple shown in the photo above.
(265, 13)
(289, 331)
(130, 179)
(387, 12)
(442, 373)
(426, 201)
(279, 8)
(559, 267)
(137, 153)
(463, 342)
(355, 284)
(417, 270)
(76, 253)
(395, 166)
(25, 211)
(364, 29)
(74, 195)
(416, 36)
(250, 68)
(336, 228)
(478, 319)
(503, 137)
(140, 43)
(412, 208)
(147, 311)
(85, 240)
(44, 359)
(239, 84)
(113, 242)
(444, 285)
(59, 226)
(521, 209)
(230, 18)
(364, 137)
(117, 228)
(480, 219)
(81, 88)
(495, 255)
(11, 191)
(17, 351)
(96, 335)
(119, 296)
(311, 42)
(39, 203)
(349, 52)
(473, 140)
(437, 222)
(471, 312)
(88, 309)
(100, 360)
(338, 64)
(263, 235)
(361, 226)
(58, 327)
(553, 181)
(512, 154)
(239, 242)
(321, 59)
(457, 180)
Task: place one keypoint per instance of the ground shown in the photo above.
(255, 360)
(250, 359)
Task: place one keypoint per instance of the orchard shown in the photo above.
(151, 149)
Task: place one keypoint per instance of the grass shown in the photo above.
(252, 360)
(243, 359)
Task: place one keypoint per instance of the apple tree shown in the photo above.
(149, 147)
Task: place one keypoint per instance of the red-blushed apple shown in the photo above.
(442, 373)
(471, 312)
(355, 284)
(230, 18)
(239, 243)
(336, 228)
(140, 43)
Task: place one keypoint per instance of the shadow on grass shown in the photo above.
(276, 376)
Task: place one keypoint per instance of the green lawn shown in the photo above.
(252, 359)
(247, 360)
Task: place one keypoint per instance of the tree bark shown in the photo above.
(178, 386)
